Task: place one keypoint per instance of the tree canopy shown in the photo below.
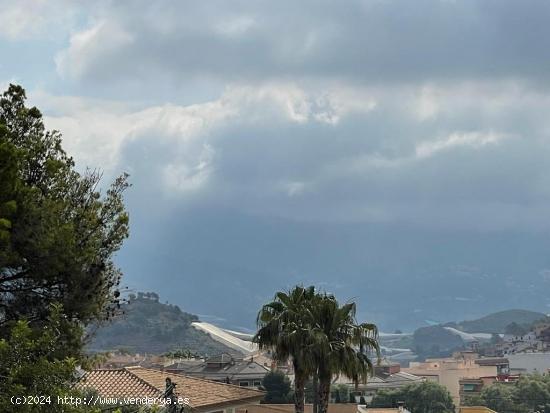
(58, 233)
(425, 397)
(530, 393)
(58, 236)
(32, 363)
(320, 336)
(277, 387)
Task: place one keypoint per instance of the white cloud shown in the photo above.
(103, 38)
(96, 132)
(427, 105)
(235, 26)
(182, 177)
(26, 19)
(329, 150)
(294, 188)
(458, 139)
(96, 135)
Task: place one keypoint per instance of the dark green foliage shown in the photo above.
(340, 344)
(425, 397)
(277, 387)
(435, 341)
(516, 329)
(184, 353)
(57, 233)
(284, 328)
(145, 325)
(530, 393)
(340, 393)
(309, 392)
(322, 338)
(32, 363)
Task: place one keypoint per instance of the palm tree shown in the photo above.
(340, 345)
(284, 326)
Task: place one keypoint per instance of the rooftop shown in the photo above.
(220, 367)
(142, 382)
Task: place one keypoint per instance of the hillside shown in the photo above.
(268, 255)
(148, 326)
(497, 322)
(435, 341)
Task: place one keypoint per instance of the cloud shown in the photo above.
(183, 141)
(101, 39)
(471, 139)
(329, 152)
(313, 111)
(367, 41)
(27, 19)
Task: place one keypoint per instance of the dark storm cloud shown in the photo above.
(368, 146)
(365, 41)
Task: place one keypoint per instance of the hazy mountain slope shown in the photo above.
(497, 322)
(227, 264)
(148, 326)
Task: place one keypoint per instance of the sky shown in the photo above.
(352, 144)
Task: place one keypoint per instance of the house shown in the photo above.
(226, 368)
(203, 396)
(501, 363)
(117, 359)
(400, 409)
(470, 387)
(387, 375)
(529, 362)
(179, 366)
(462, 365)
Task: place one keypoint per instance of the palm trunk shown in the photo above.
(324, 394)
(315, 392)
(299, 391)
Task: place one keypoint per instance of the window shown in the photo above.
(469, 387)
(243, 384)
(257, 383)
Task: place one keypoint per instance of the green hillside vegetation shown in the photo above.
(435, 341)
(497, 322)
(146, 325)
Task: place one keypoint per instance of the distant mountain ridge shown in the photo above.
(399, 276)
(497, 322)
(149, 326)
(442, 339)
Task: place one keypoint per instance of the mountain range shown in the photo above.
(146, 325)
(223, 265)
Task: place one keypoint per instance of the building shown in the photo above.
(522, 363)
(470, 387)
(225, 368)
(400, 409)
(203, 396)
(461, 366)
(308, 408)
(181, 365)
(117, 360)
(387, 375)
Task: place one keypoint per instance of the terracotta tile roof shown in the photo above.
(118, 383)
(289, 408)
(142, 382)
